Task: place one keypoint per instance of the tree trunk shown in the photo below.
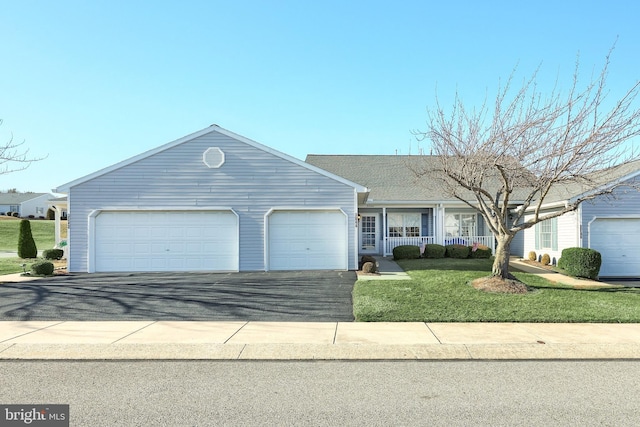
(501, 261)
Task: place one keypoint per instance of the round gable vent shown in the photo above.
(213, 157)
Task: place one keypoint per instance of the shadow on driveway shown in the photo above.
(296, 296)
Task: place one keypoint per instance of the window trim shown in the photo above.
(401, 228)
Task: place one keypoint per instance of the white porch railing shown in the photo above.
(392, 242)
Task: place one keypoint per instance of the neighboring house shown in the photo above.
(25, 204)
(212, 201)
(401, 209)
(609, 224)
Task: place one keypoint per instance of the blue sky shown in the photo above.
(91, 83)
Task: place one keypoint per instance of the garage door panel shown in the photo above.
(166, 241)
(618, 241)
(307, 240)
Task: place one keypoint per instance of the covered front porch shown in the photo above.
(383, 229)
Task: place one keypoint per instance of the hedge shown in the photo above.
(457, 251)
(434, 250)
(406, 252)
(581, 262)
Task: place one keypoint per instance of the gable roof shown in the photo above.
(391, 178)
(17, 198)
(597, 181)
(213, 128)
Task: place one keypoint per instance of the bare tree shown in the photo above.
(526, 147)
(13, 156)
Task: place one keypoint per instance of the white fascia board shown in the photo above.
(545, 206)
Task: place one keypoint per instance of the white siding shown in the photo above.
(251, 182)
(30, 207)
(567, 233)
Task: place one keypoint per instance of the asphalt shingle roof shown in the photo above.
(17, 198)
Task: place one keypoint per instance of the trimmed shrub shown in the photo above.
(581, 262)
(26, 245)
(406, 252)
(369, 267)
(42, 268)
(53, 254)
(457, 251)
(364, 259)
(434, 250)
(546, 259)
(479, 252)
(533, 256)
(15, 214)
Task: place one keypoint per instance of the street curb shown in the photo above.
(308, 352)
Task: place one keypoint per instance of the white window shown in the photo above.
(39, 211)
(403, 224)
(547, 234)
(460, 225)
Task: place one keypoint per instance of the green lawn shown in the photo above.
(43, 232)
(439, 291)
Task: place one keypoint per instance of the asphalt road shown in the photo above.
(297, 296)
(587, 393)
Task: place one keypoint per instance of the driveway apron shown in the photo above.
(296, 296)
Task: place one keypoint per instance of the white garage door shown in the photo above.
(166, 241)
(307, 240)
(618, 241)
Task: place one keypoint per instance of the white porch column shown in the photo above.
(58, 230)
(384, 232)
(439, 231)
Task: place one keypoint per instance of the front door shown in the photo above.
(368, 234)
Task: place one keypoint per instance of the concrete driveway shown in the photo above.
(297, 296)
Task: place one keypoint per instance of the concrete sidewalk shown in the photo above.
(148, 340)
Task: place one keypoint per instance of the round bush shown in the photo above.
(457, 251)
(546, 259)
(364, 259)
(581, 262)
(406, 252)
(479, 252)
(53, 254)
(369, 267)
(533, 256)
(42, 268)
(434, 250)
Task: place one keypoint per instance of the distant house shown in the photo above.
(25, 204)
